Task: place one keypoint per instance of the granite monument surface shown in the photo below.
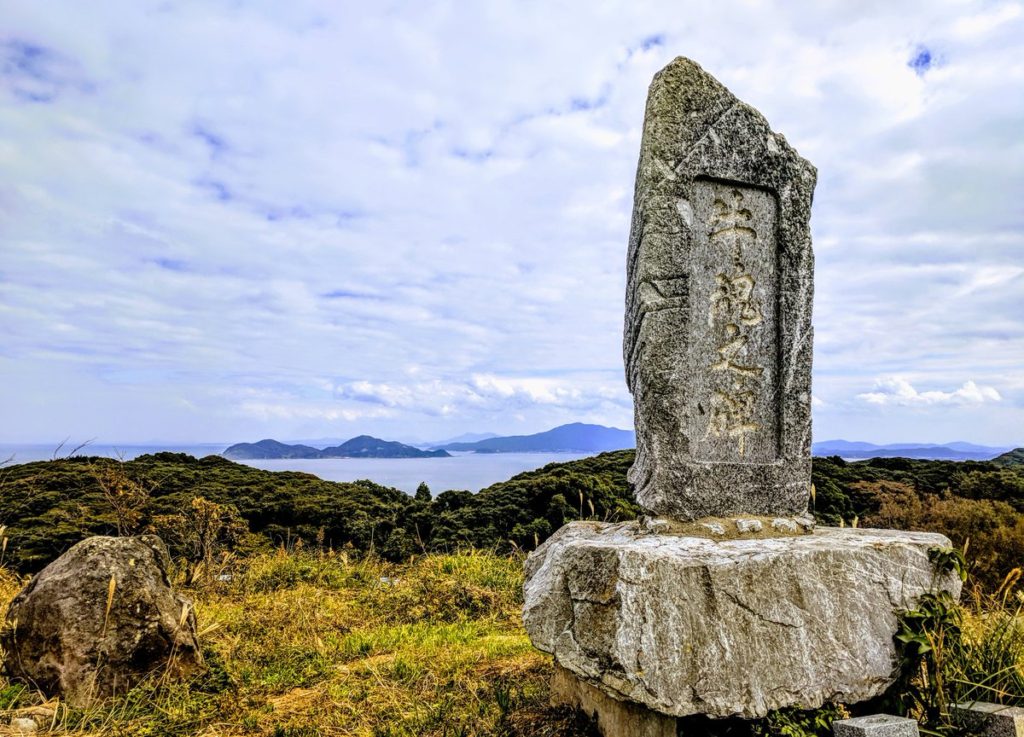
(718, 335)
(723, 600)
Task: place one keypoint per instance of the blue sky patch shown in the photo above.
(348, 294)
(652, 41)
(28, 59)
(217, 188)
(216, 142)
(922, 60)
(171, 264)
(37, 74)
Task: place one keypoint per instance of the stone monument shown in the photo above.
(723, 600)
(718, 307)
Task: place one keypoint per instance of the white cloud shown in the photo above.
(898, 391)
(986, 22)
(488, 392)
(310, 198)
(292, 410)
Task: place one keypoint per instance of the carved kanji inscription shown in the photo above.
(734, 416)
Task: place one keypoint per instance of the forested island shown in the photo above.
(576, 437)
(362, 446)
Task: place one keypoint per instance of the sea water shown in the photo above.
(469, 471)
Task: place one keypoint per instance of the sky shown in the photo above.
(224, 221)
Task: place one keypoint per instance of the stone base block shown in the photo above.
(614, 718)
(685, 625)
(876, 725)
(991, 720)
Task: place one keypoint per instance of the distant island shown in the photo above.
(466, 437)
(363, 446)
(576, 437)
(956, 451)
(579, 437)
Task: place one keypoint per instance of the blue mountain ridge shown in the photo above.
(575, 437)
(954, 451)
(578, 437)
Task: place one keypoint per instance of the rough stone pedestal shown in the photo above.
(685, 625)
(614, 718)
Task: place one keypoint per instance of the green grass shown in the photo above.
(966, 652)
(303, 644)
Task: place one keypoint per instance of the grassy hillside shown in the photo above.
(1014, 457)
(303, 644)
(355, 609)
(50, 505)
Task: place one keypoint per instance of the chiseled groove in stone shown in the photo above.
(727, 628)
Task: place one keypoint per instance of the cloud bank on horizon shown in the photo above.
(224, 221)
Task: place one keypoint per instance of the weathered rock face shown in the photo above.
(687, 625)
(718, 333)
(61, 637)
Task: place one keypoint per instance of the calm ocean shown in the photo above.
(468, 471)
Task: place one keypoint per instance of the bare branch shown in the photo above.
(56, 452)
(79, 447)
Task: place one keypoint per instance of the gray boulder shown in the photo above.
(687, 625)
(73, 634)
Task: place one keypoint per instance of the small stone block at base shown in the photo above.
(992, 720)
(876, 725)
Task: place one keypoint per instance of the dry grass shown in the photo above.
(301, 645)
(971, 651)
(988, 662)
(10, 585)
